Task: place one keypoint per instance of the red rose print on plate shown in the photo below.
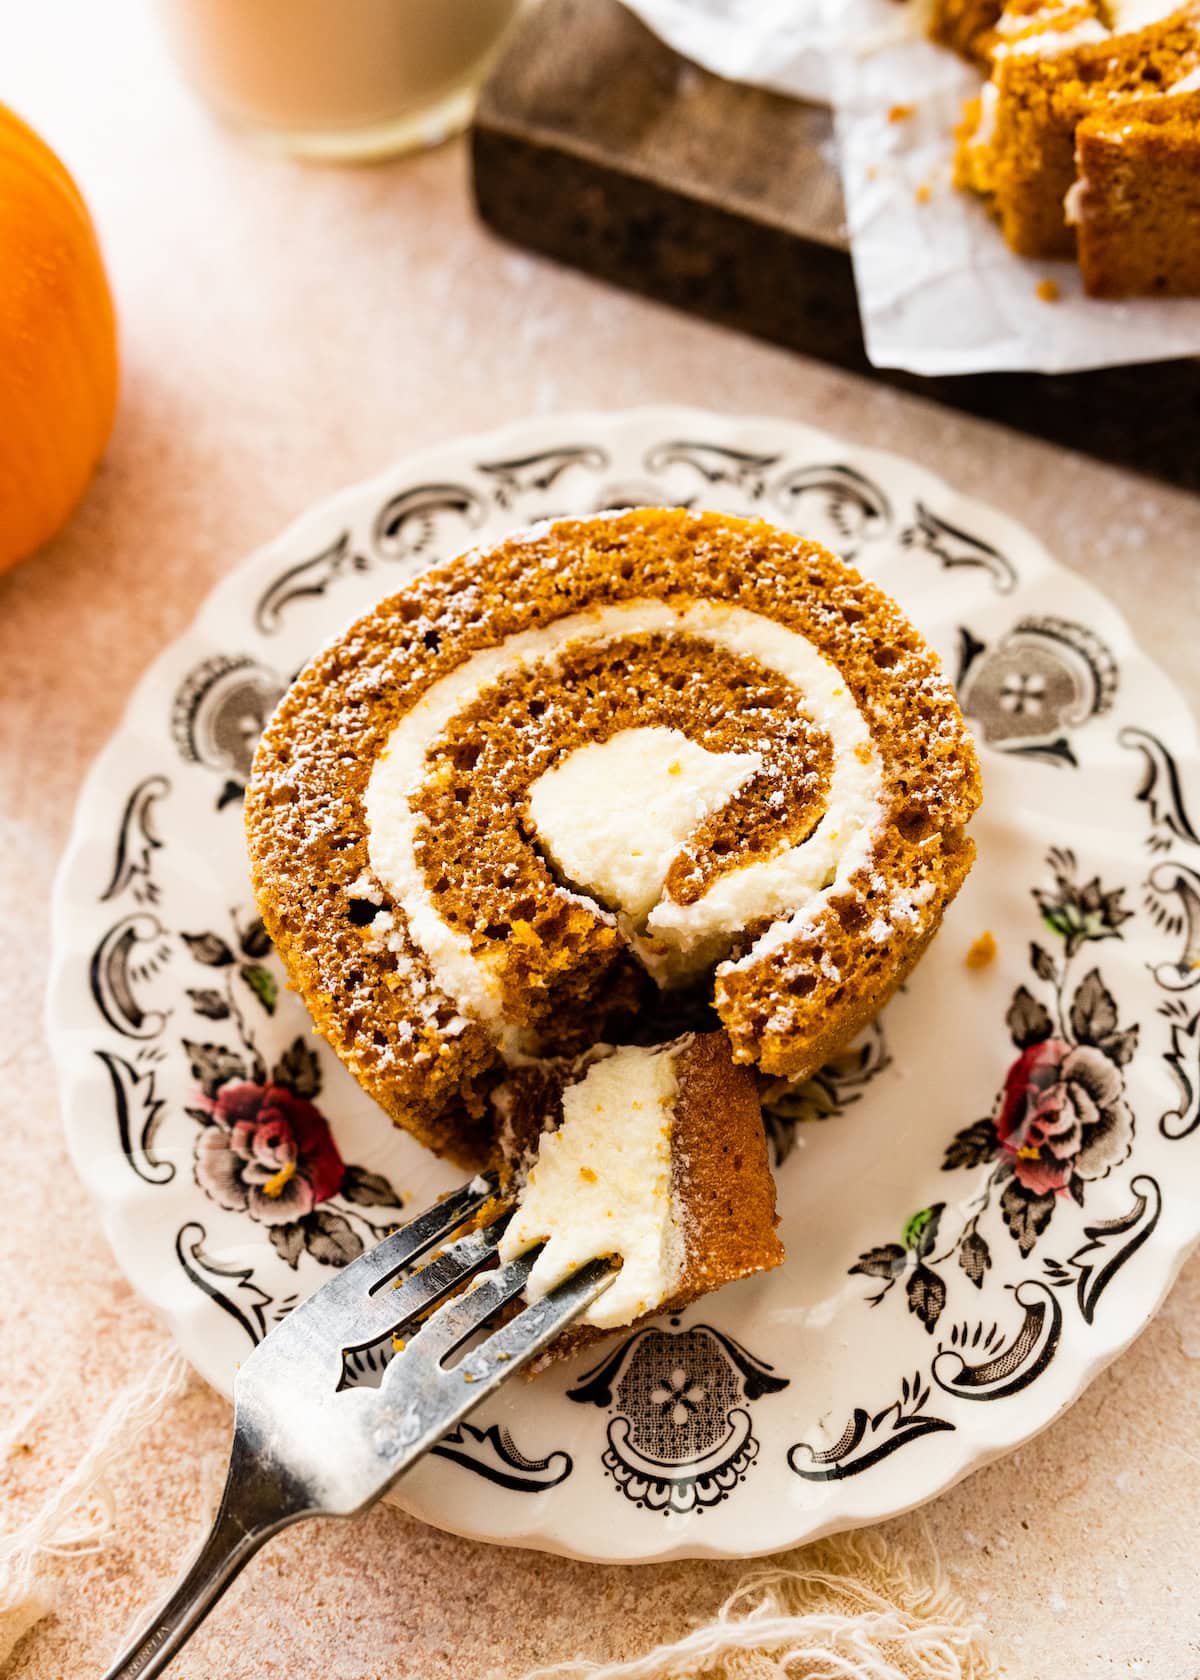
(264, 1148)
(1060, 1122)
(269, 1153)
(1063, 1116)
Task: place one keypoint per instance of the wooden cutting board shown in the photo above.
(596, 144)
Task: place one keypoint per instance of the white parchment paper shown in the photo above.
(938, 289)
(780, 44)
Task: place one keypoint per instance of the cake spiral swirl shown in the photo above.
(608, 755)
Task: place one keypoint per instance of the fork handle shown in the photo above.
(252, 1509)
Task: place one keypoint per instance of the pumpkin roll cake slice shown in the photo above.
(655, 1154)
(604, 758)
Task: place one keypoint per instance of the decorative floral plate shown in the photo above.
(983, 1200)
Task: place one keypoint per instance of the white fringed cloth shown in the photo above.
(852, 1608)
(81, 1513)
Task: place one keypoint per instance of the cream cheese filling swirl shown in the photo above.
(678, 941)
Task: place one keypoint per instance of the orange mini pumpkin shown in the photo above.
(58, 343)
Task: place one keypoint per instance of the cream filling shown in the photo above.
(1075, 202)
(1124, 17)
(1127, 15)
(1016, 23)
(1050, 42)
(989, 109)
(613, 814)
(681, 940)
(601, 1186)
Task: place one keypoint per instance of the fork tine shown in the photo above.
(393, 1309)
(451, 1324)
(357, 1304)
(419, 1235)
(418, 1399)
(534, 1327)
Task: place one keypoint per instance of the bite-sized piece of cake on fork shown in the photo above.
(655, 1155)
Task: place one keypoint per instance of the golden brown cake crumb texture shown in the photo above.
(724, 1185)
(1024, 26)
(564, 972)
(1139, 205)
(972, 161)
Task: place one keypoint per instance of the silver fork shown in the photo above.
(307, 1444)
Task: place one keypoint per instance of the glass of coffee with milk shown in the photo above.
(339, 80)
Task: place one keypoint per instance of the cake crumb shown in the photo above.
(588, 1176)
(1048, 291)
(923, 193)
(982, 951)
(901, 113)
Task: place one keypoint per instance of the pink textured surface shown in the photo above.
(286, 331)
